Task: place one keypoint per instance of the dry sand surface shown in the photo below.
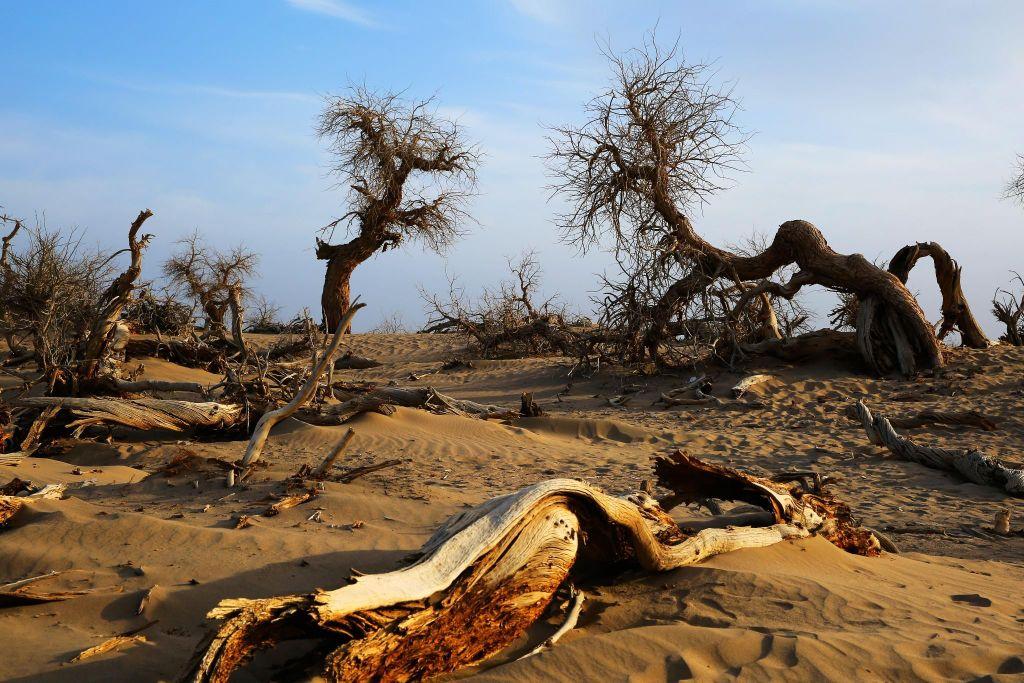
(949, 607)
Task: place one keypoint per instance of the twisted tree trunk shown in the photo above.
(893, 332)
(104, 329)
(956, 313)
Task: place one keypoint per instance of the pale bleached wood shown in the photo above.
(271, 418)
(971, 464)
(141, 413)
(524, 542)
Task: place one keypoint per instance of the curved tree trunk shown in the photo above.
(337, 292)
(892, 331)
(489, 573)
(104, 330)
(956, 313)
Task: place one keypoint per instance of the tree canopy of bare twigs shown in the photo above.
(1015, 187)
(211, 278)
(52, 285)
(409, 172)
(509, 320)
(660, 140)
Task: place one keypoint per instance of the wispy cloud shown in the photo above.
(195, 89)
(339, 9)
(544, 11)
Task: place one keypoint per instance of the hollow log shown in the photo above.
(956, 313)
(488, 573)
(141, 413)
(971, 464)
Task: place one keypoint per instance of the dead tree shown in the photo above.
(107, 335)
(214, 280)
(490, 572)
(956, 313)
(409, 172)
(1009, 310)
(659, 141)
(1015, 187)
(508, 320)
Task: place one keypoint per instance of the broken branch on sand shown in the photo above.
(141, 413)
(489, 573)
(970, 463)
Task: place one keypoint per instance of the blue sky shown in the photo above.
(882, 123)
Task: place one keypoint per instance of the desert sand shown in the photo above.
(949, 606)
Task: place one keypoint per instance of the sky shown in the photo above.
(881, 123)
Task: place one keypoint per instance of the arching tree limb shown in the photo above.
(271, 418)
(956, 313)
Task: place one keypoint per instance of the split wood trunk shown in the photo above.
(490, 572)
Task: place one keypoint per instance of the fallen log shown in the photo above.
(489, 573)
(747, 383)
(141, 413)
(426, 397)
(971, 464)
(26, 592)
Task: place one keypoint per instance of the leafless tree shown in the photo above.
(661, 140)
(1008, 309)
(1015, 187)
(266, 317)
(51, 289)
(509, 320)
(409, 172)
(211, 278)
(391, 324)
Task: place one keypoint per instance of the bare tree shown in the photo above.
(661, 140)
(509, 321)
(51, 289)
(1009, 310)
(409, 172)
(212, 279)
(1015, 187)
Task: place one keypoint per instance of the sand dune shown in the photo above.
(949, 607)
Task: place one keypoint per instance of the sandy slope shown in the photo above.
(796, 611)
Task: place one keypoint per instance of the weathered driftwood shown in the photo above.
(321, 471)
(143, 385)
(748, 382)
(971, 464)
(488, 573)
(141, 413)
(109, 645)
(271, 418)
(26, 592)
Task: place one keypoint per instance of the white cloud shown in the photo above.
(544, 11)
(337, 9)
